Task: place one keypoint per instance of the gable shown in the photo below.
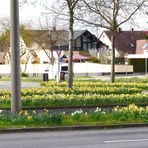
(80, 37)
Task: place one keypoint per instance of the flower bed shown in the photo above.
(96, 83)
(84, 93)
(129, 114)
(80, 90)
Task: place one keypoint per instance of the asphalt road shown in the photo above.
(115, 138)
(7, 84)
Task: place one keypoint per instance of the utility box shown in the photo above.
(62, 76)
(64, 68)
(63, 72)
(45, 77)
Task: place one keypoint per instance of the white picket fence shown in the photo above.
(82, 69)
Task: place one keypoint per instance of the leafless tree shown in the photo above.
(28, 2)
(67, 12)
(45, 39)
(5, 38)
(109, 14)
(71, 4)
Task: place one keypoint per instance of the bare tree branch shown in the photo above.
(130, 15)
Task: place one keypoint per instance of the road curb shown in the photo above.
(71, 128)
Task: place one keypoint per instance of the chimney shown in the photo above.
(54, 28)
(119, 30)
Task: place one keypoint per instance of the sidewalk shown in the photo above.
(72, 128)
(7, 84)
(107, 77)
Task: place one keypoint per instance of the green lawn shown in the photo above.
(83, 93)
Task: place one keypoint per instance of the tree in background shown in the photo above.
(5, 40)
(5, 34)
(109, 14)
(71, 4)
(65, 10)
(105, 57)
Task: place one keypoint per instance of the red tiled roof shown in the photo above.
(125, 41)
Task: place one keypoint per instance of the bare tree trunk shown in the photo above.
(26, 64)
(113, 58)
(71, 40)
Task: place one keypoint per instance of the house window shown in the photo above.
(132, 45)
(94, 45)
(78, 42)
(89, 46)
(45, 62)
(85, 46)
(85, 39)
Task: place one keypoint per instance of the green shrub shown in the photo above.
(24, 74)
(120, 60)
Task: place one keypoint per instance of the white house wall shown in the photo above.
(104, 38)
(44, 58)
(40, 52)
(79, 69)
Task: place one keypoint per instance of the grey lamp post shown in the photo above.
(15, 57)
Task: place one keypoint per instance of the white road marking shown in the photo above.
(122, 141)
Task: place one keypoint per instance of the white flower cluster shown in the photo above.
(98, 110)
(77, 112)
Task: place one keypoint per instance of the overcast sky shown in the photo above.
(31, 14)
(4, 7)
(27, 13)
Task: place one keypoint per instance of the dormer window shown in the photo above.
(132, 45)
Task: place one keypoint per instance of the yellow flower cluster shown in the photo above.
(131, 107)
(90, 92)
(45, 110)
(100, 84)
(80, 90)
(25, 114)
(29, 117)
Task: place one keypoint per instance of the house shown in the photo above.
(47, 42)
(140, 59)
(125, 42)
(83, 41)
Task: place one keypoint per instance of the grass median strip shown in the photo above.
(44, 118)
